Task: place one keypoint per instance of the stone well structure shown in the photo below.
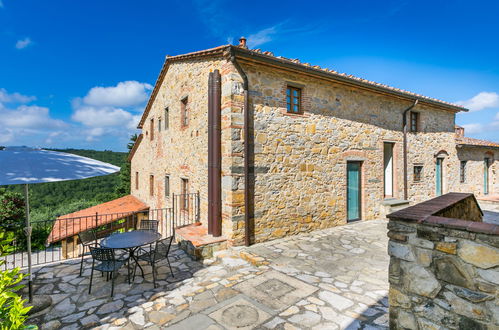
(444, 266)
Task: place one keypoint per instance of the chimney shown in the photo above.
(459, 131)
(242, 43)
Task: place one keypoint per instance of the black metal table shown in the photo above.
(131, 241)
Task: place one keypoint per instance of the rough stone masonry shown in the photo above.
(444, 272)
(298, 161)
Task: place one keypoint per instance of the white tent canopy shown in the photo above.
(22, 165)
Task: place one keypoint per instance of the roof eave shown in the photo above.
(217, 51)
(461, 145)
(248, 54)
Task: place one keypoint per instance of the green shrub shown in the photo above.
(13, 313)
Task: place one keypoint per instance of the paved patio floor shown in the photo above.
(328, 279)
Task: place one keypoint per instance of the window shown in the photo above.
(152, 129)
(486, 165)
(184, 201)
(151, 185)
(167, 118)
(414, 121)
(167, 185)
(184, 111)
(418, 173)
(293, 100)
(137, 180)
(462, 172)
(159, 125)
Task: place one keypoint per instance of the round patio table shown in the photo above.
(131, 241)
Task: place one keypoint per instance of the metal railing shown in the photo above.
(56, 239)
(186, 209)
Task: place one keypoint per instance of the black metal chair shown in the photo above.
(108, 264)
(87, 239)
(160, 251)
(164, 249)
(149, 225)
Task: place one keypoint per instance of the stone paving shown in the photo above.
(328, 279)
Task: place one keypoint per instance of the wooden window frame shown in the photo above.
(417, 176)
(184, 193)
(290, 104)
(414, 121)
(167, 185)
(136, 180)
(184, 111)
(151, 134)
(462, 171)
(151, 185)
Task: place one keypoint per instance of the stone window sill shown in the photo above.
(299, 115)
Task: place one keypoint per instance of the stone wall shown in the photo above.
(300, 160)
(177, 151)
(182, 152)
(474, 178)
(444, 273)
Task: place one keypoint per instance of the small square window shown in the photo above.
(462, 172)
(184, 109)
(418, 173)
(184, 201)
(159, 125)
(167, 185)
(151, 185)
(151, 135)
(293, 100)
(414, 121)
(136, 180)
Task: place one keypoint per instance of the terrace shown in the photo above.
(335, 278)
(328, 279)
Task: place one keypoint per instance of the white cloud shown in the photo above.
(6, 135)
(23, 43)
(481, 101)
(5, 97)
(110, 110)
(125, 94)
(25, 124)
(29, 117)
(473, 128)
(102, 116)
(262, 36)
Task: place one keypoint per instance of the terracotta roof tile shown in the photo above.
(466, 141)
(73, 223)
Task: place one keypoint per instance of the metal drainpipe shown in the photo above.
(404, 127)
(246, 148)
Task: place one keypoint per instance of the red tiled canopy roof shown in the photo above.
(73, 223)
(466, 141)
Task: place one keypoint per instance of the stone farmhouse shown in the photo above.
(277, 147)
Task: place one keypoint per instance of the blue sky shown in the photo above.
(78, 73)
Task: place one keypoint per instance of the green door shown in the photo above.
(486, 176)
(353, 191)
(438, 176)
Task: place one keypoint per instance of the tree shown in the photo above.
(123, 187)
(12, 210)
